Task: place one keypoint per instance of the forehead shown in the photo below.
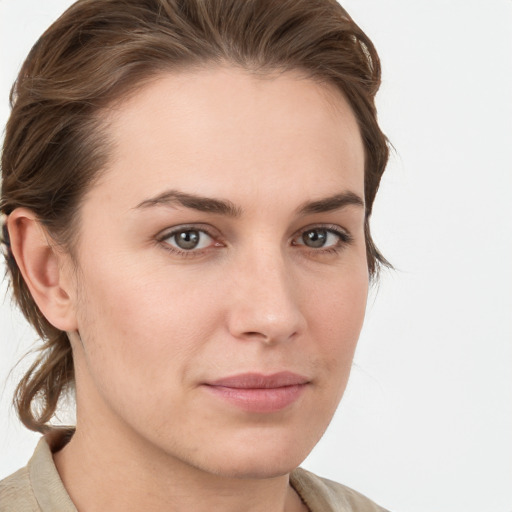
(224, 128)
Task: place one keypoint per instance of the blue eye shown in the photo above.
(322, 238)
(189, 239)
(317, 238)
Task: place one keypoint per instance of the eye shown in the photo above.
(323, 238)
(186, 239)
(318, 238)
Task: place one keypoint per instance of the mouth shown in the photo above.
(259, 393)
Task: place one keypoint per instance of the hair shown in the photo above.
(97, 53)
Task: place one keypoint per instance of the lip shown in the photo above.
(259, 393)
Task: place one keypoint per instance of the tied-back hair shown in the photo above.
(100, 51)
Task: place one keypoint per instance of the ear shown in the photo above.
(45, 269)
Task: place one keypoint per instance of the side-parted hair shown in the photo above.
(100, 51)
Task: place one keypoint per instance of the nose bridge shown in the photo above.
(266, 304)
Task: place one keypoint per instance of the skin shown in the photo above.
(156, 325)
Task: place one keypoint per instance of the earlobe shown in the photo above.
(42, 268)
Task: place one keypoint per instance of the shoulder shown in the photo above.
(37, 486)
(16, 493)
(321, 494)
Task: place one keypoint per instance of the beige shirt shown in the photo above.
(38, 488)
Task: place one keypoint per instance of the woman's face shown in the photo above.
(223, 274)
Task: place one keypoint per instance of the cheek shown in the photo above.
(141, 328)
(130, 300)
(336, 315)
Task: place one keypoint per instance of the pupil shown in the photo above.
(315, 238)
(187, 239)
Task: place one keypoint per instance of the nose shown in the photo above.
(265, 303)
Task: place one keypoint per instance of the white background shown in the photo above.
(426, 423)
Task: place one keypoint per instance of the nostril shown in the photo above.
(267, 339)
(256, 334)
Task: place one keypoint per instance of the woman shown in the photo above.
(187, 188)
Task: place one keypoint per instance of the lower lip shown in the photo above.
(260, 400)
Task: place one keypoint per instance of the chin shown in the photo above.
(258, 458)
(253, 468)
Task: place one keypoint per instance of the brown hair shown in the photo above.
(96, 53)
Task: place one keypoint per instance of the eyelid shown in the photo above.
(345, 237)
(204, 228)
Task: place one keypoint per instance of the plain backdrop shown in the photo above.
(426, 422)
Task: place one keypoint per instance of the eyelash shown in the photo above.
(344, 239)
(184, 228)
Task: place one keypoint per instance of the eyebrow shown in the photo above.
(328, 204)
(229, 209)
(195, 202)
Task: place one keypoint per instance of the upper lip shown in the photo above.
(260, 380)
